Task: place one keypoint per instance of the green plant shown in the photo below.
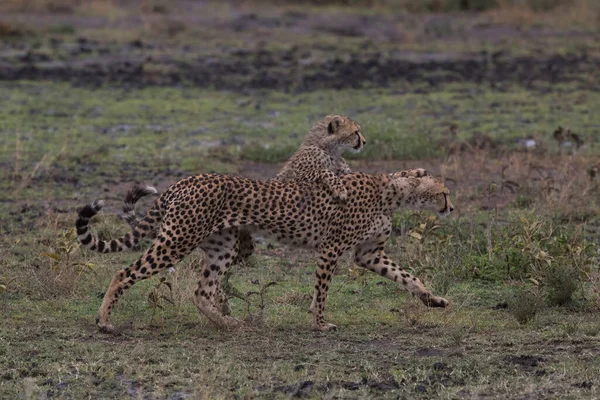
(62, 29)
(256, 318)
(157, 299)
(562, 282)
(60, 268)
(525, 303)
(554, 256)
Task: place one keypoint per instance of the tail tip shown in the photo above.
(97, 205)
(150, 190)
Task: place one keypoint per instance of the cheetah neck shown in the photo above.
(397, 193)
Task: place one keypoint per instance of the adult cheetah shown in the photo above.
(319, 158)
(190, 211)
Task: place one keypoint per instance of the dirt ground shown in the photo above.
(244, 48)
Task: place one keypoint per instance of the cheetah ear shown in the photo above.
(334, 124)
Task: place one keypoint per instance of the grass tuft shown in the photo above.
(525, 304)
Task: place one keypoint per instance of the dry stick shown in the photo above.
(488, 234)
(471, 238)
(496, 219)
(18, 157)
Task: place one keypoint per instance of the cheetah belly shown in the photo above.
(297, 238)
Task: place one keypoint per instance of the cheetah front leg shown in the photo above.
(325, 269)
(416, 172)
(334, 184)
(372, 257)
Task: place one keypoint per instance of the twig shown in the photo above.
(471, 236)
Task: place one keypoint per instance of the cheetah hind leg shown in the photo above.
(214, 314)
(209, 298)
(222, 301)
(143, 268)
(246, 248)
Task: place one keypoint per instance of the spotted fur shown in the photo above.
(320, 152)
(319, 159)
(133, 196)
(195, 212)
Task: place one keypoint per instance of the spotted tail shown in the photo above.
(133, 196)
(148, 224)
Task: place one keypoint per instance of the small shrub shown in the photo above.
(591, 329)
(267, 154)
(60, 269)
(62, 29)
(158, 296)
(571, 328)
(156, 7)
(256, 318)
(457, 334)
(525, 304)
(561, 284)
(9, 30)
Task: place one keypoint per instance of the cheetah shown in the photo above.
(191, 211)
(320, 152)
(319, 158)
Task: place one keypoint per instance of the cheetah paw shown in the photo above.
(434, 301)
(104, 327)
(341, 195)
(416, 172)
(325, 327)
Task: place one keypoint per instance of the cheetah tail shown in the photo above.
(86, 238)
(132, 197)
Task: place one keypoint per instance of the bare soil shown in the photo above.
(323, 50)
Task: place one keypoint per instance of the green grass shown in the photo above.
(54, 132)
(387, 345)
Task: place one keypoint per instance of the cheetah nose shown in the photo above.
(451, 209)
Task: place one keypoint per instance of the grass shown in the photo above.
(517, 260)
(512, 229)
(387, 343)
(147, 131)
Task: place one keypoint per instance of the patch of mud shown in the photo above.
(296, 70)
(526, 363)
(266, 47)
(429, 352)
(311, 388)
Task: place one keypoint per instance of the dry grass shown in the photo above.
(9, 29)
(87, 7)
(564, 14)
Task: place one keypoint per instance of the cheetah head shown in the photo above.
(423, 192)
(345, 133)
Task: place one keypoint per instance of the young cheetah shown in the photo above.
(192, 211)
